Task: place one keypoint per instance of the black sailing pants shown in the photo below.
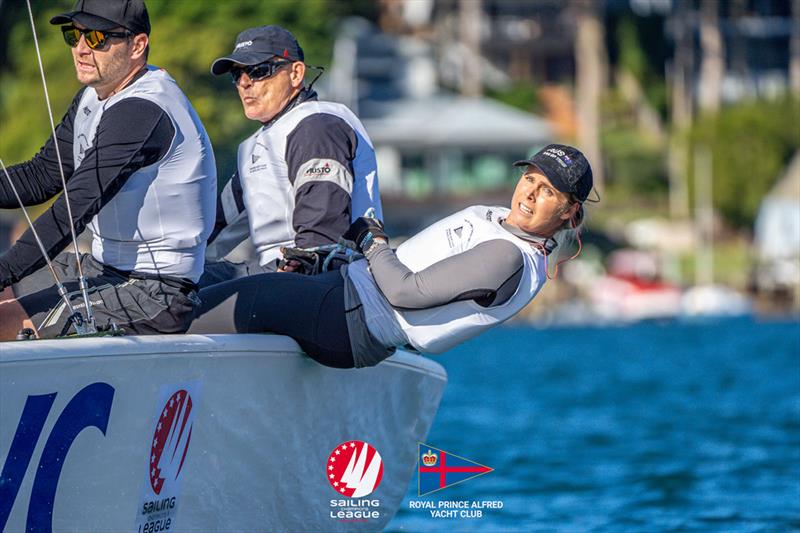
(310, 309)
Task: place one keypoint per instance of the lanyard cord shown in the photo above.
(559, 263)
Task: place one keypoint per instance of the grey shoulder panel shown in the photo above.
(489, 274)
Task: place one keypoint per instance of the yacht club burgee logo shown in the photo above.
(439, 469)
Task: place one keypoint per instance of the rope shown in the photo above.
(62, 291)
(81, 279)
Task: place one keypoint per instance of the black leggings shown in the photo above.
(310, 309)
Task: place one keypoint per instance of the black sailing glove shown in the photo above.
(363, 231)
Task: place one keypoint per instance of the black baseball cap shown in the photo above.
(566, 168)
(256, 45)
(107, 15)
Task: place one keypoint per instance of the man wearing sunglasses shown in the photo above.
(140, 177)
(302, 177)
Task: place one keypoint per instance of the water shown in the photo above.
(687, 427)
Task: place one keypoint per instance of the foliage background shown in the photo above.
(750, 141)
(187, 35)
(750, 144)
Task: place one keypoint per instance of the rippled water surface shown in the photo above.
(654, 427)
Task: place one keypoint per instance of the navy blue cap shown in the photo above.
(256, 45)
(566, 168)
(106, 15)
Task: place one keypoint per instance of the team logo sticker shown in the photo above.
(354, 469)
(168, 451)
(439, 469)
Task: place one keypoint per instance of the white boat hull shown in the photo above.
(265, 419)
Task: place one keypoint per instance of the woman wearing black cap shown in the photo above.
(450, 282)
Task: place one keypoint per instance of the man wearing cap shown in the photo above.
(303, 176)
(140, 176)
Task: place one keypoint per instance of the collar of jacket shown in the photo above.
(303, 96)
(546, 245)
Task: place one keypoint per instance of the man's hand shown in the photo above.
(299, 261)
(289, 265)
(364, 231)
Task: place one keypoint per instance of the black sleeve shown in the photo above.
(132, 134)
(38, 179)
(320, 153)
(489, 274)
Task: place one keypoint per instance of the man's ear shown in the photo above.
(297, 74)
(140, 42)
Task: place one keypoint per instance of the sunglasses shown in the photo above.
(258, 72)
(94, 38)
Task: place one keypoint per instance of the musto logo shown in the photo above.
(354, 469)
(171, 441)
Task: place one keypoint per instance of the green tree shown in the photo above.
(522, 95)
(751, 143)
(187, 36)
(637, 49)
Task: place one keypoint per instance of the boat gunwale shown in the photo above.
(213, 345)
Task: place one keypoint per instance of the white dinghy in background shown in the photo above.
(80, 420)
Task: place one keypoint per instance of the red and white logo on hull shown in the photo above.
(354, 469)
(171, 440)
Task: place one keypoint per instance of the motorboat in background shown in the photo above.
(633, 289)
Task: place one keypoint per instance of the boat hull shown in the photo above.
(264, 419)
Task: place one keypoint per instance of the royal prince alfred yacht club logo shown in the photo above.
(354, 469)
(440, 469)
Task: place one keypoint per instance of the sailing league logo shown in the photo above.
(354, 469)
(173, 434)
(168, 449)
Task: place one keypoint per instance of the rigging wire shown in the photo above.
(90, 325)
(62, 290)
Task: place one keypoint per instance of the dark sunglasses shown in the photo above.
(258, 72)
(94, 38)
